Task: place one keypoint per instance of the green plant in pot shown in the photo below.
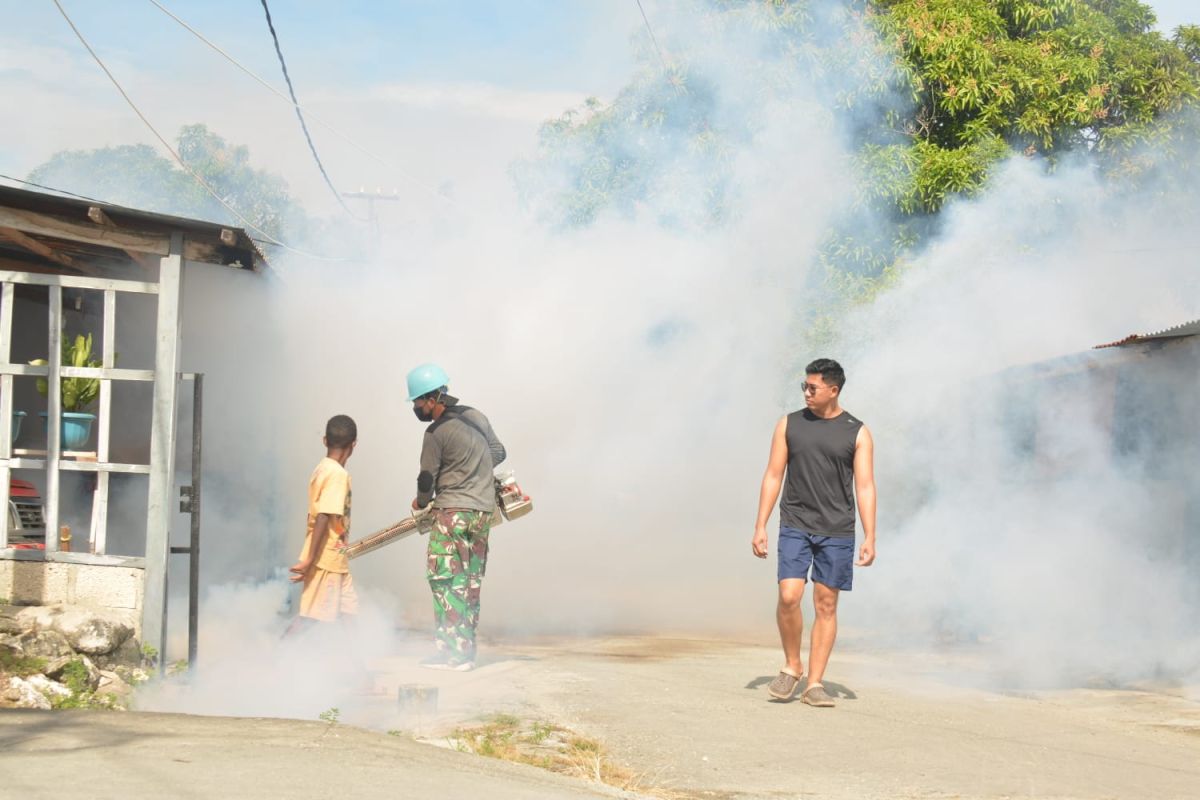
(77, 393)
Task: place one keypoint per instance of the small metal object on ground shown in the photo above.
(418, 699)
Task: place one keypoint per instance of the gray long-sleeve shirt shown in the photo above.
(457, 458)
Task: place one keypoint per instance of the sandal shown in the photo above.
(784, 685)
(816, 695)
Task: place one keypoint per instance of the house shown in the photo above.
(71, 266)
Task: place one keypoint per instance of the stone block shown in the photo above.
(39, 582)
(108, 587)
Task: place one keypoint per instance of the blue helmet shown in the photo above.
(425, 379)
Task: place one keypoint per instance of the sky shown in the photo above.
(445, 95)
(444, 92)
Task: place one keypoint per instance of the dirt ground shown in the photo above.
(689, 717)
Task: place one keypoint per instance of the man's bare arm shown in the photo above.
(771, 483)
(864, 491)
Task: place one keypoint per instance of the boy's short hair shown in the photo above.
(340, 431)
(830, 371)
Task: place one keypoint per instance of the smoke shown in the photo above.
(1044, 508)
(635, 370)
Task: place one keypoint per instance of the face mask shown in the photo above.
(421, 414)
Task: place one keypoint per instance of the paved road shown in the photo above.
(687, 715)
(78, 754)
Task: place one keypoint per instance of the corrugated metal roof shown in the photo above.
(1185, 329)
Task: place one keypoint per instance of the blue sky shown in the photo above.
(538, 44)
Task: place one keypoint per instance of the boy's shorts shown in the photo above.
(831, 558)
(328, 595)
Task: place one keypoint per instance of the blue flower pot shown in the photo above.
(18, 418)
(76, 428)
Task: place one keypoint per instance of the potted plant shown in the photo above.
(77, 393)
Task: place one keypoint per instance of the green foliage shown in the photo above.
(137, 176)
(330, 715)
(1032, 76)
(77, 393)
(86, 699)
(22, 666)
(149, 654)
(931, 94)
(75, 676)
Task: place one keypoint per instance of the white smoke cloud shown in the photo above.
(635, 374)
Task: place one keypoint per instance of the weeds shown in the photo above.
(21, 666)
(330, 716)
(548, 746)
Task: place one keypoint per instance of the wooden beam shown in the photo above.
(96, 214)
(47, 252)
(28, 266)
(153, 243)
(34, 246)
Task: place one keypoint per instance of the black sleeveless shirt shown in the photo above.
(818, 490)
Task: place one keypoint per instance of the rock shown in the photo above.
(37, 617)
(88, 630)
(131, 675)
(45, 644)
(93, 632)
(111, 684)
(22, 694)
(9, 625)
(48, 688)
(10, 646)
(128, 654)
(57, 669)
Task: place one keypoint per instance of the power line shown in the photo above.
(300, 115)
(52, 189)
(195, 176)
(266, 84)
(653, 40)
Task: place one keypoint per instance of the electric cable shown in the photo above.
(195, 176)
(311, 116)
(52, 189)
(300, 116)
(653, 40)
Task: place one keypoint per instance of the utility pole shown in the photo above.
(372, 215)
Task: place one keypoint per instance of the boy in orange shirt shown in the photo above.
(325, 570)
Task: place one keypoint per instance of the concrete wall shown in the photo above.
(44, 583)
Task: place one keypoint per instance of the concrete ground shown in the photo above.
(688, 716)
(46, 755)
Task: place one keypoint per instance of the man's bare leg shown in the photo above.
(791, 621)
(824, 631)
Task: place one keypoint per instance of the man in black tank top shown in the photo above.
(823, 459)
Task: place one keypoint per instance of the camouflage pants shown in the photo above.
(457, 559)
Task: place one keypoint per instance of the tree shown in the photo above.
(137, 176)
(932, 94)
(1034, 76)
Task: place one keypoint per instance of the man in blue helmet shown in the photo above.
(459, 453)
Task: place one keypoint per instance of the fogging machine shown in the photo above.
(511, 503)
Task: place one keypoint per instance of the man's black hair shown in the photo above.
(433, 395)
(830, 371)
(340, 431)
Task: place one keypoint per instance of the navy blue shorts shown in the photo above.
(831, 558)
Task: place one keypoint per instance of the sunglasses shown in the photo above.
(810, 388)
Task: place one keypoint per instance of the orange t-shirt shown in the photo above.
(329, 493)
